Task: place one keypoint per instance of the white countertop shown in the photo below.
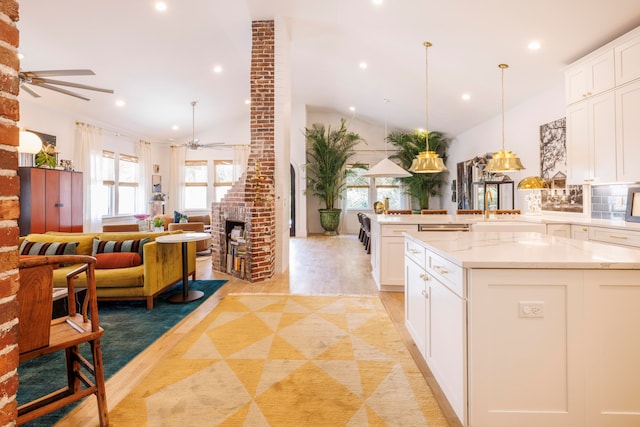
(525, 250)
(470, 219)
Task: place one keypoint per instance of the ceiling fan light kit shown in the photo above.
(504, 160)
(427, 161)
(40, 79)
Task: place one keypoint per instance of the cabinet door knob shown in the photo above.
(425, 294)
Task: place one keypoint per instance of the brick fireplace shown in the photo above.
(250, 201)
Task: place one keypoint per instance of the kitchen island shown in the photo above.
(526, 329)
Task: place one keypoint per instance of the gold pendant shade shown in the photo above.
(504, 160)
(532, 183)
(427, 161)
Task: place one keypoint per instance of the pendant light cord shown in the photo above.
(502, 67)
(384, 140)
(427, 45)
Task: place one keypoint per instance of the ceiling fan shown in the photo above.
(40, 79)
(194, 144)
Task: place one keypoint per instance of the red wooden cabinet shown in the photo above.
(50, 200)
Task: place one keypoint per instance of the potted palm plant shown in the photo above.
(328, 152)
(420, 186)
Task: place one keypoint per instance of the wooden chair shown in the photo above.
(508, 212)
(120, 227)
(469, 212)
(38, 335)
(367, 233)
(434, 212)
(399, 212)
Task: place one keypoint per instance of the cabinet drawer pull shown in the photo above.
(613, 236)
(585, 229)
(440, 269)
(414, 251)
(399, 231)
(424, 277)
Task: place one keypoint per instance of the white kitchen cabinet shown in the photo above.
(417, 304)
(559, 230)
(389, 253)
(615, 236)
(628, 131)
(611, 354)
(591, 140)
(447, 346)
(579, 232)
(590, 77)
(550, 343)
(435, 316)
(627, 61)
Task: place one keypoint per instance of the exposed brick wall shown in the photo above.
(251, 199)
(9, 211)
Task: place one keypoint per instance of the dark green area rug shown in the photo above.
(129, 328)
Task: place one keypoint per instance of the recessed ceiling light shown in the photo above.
(363, 65)
(420, 129)
(217, 69)
(175, 127)
(247, 101)
(352, 108)
(120, 103)
(377, 2)
(466, 97)
(161, 6)
(534, 45)
(20, 56)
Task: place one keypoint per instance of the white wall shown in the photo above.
(522, 136)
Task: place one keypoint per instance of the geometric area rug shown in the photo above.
(286, 360)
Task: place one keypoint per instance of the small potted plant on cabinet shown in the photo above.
(328, 151)
(46, 157)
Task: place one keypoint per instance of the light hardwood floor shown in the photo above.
(318, 265)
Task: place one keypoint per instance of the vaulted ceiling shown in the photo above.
(158, 62)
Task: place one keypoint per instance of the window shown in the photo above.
(120, 179)
(357, 194)
(389, 187)
(223, 178)
(196, 183)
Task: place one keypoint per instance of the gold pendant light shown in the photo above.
(503, 160)
(532, 183)
(427, 161)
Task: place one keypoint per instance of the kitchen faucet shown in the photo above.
(487, 196)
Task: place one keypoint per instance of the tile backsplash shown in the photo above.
(609, 201)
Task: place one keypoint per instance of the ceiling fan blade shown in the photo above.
(30, 91)
(212, 144)
(51, 73)
(39, 81)
(66, 92)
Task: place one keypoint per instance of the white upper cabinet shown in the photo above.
(590, 78)
(627, 60)
(628, 131)
(603, 106)
(591, 140)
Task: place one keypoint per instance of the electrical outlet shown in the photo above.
(531, 308)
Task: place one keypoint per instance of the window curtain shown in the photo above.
(143, 149)
(240, 159)
(176, 179)
(87, 159)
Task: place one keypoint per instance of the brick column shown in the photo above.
(251, 199)
(9, 212)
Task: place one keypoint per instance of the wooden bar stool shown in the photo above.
(434, 212)
(469, 212)
(399, 212)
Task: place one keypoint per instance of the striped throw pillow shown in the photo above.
(47, 248)
(107, 246)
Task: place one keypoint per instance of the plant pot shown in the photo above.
(330, 220)
(157, 229)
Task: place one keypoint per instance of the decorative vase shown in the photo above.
(161, 228)
(330, 220)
